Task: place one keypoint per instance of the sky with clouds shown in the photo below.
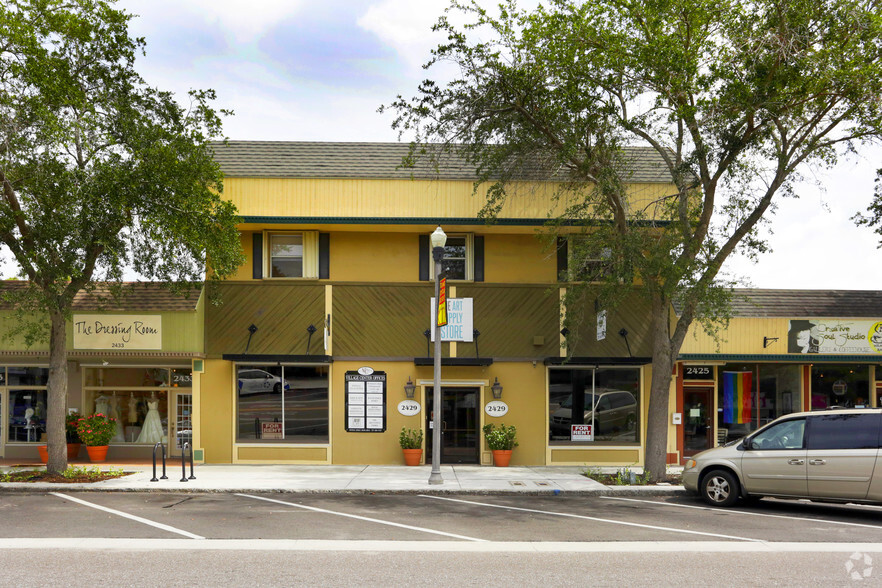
(307, 70)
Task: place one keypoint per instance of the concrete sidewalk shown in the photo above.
(464, 479)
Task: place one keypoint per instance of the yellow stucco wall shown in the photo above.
(216, 411)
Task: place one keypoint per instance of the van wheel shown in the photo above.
(630, 423)
(719, 488)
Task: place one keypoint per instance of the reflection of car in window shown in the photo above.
(252, 381)
(613, 411)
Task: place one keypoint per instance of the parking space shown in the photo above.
(411, 517)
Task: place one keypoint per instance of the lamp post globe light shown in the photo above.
(438, 239)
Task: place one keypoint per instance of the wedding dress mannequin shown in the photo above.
(151, 430)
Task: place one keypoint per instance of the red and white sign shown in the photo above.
(581, 433)
(271, 431)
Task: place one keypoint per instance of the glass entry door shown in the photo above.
(697, 420)
(181, 426)
(459, 425)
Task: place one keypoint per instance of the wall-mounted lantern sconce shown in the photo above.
(768, 340)
(409, 388)
(496, 388)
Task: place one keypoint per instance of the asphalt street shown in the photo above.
(398, 539)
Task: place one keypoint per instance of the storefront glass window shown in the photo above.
(752, 395)
(137, 397)
(27, 376)
(607, 412)
(27, 415)
(840, 385)
(277, 404)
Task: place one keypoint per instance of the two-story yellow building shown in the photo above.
(339, 282)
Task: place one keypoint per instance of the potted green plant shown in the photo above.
(411, 441)
(501, 440)
(96, 431)
(70, 431)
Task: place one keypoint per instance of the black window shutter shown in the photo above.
(562, 259)
(424, 258)
(257, 255)
(324, 256)
(479, 259)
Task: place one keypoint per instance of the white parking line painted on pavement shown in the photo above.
(351, 516)
(745, 513)
(128, 516)
(584, 517)
(691, 547)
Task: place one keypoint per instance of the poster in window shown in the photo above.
(365, 401)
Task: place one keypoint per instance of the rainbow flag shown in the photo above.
(736, 396)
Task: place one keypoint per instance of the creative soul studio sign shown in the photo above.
(117, 331)
(833, 336)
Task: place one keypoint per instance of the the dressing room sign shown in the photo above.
(117, 331)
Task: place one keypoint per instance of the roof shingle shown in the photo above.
(294, 159)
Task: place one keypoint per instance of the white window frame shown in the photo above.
(310, 254)
(469, 257)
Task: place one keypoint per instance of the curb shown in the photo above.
(604, 491)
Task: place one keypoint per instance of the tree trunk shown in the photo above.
(662, 365)
(57, 392)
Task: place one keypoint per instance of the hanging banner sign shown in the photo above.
(442, 304)
(831, 336)
(601, 325)
(117, 331)
(459, 320)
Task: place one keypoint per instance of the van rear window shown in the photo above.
(843, 431)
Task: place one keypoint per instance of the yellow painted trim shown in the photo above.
(329, 308)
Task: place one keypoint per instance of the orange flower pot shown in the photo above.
(73, 450)
(97, 453)
(501, 457)
(412, 456)
(43, 450)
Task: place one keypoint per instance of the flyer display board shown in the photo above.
(365, 401)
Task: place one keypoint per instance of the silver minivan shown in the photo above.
(825, 456)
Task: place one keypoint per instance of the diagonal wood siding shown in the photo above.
(634, 315)
(382, 321)
(281, 312)
(509, 317)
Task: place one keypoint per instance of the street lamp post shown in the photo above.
(438, 240)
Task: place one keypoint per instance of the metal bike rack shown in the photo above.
(184, 450)
(164, 477)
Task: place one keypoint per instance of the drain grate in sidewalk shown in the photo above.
(517, 483)
(542, 483)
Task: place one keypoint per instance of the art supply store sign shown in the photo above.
(117, 331)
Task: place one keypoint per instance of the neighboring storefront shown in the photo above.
(132, 359)
(785, 351)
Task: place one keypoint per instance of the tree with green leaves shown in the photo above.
(737, 98)
(100, 172)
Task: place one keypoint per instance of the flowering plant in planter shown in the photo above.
(500, 438)
(70, 427)
(96, 429)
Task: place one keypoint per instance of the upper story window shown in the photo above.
(458, 261)
(463, 258)
(286, 256)
(291, 254)
(579, 261)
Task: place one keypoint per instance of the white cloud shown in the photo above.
(242, 20)
(406, 26)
